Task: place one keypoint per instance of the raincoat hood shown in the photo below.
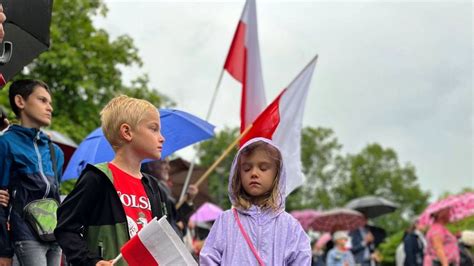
(281, 183)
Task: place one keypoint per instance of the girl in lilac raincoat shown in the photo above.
(257, 230)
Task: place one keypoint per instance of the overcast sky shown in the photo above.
(397, 73)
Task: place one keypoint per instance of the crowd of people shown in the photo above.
(420, 246)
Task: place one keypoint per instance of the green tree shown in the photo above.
(377, 171)
(84, 68)
(320, 150)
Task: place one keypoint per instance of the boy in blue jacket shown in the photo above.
(27, 171)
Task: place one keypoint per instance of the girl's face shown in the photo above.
(341, 242)
(257, 172)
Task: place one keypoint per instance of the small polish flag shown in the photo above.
(156, 244)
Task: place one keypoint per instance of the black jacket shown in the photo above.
(91, 221)
(413, 247)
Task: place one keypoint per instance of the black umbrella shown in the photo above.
(372, 206)
(26, 34)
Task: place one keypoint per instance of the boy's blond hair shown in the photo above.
(273, 197)
(122, 110)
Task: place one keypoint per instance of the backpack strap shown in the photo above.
(53, 161)
(247, 238)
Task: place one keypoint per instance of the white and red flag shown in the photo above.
(243, 64)
(282, 122)
(156, 244)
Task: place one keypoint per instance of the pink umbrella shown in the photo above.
(305, 217)
(338, 219)
(323, 240)
(206, 213)
(461, 206)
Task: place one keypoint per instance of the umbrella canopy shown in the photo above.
(323, 240)
(179, 128)
(67, 145)
(305, 217)
(372, 206)
(461, 206)
(26, 34)
(338, 219)
(206, 213)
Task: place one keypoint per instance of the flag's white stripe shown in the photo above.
(255, 101)
(163, 244)
(288, 133)
(149, 238)
(245, 12)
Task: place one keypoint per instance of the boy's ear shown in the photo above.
(126, 132)
(20, 102)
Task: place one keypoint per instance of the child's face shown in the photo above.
(37, 110)
(257, 172)
(341, 242)
(147, 140)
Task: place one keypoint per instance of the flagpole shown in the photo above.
(191, 167)
(218, 161)
(117, 258)
(211, 106)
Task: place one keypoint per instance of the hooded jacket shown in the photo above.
(26, 169)
(277, 236)
(92, 225)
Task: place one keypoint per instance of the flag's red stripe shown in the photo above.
(235, 62)
(136, 254)
(266, 123)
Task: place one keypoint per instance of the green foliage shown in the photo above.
(319, 153)
(83, 68)
(389, 247)
(376, 171)
(208, 153)
(465, 224)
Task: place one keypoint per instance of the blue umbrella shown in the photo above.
(179, 128)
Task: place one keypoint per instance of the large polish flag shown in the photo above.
(156, 244)
(282, 122)
(243, 64)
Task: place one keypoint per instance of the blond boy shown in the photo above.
(112, 201)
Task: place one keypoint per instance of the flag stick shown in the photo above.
(191, 167)
(117, 258)
(218, 161)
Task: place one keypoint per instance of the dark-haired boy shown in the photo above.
(27, 171)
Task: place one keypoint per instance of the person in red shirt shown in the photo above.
(112, 201)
